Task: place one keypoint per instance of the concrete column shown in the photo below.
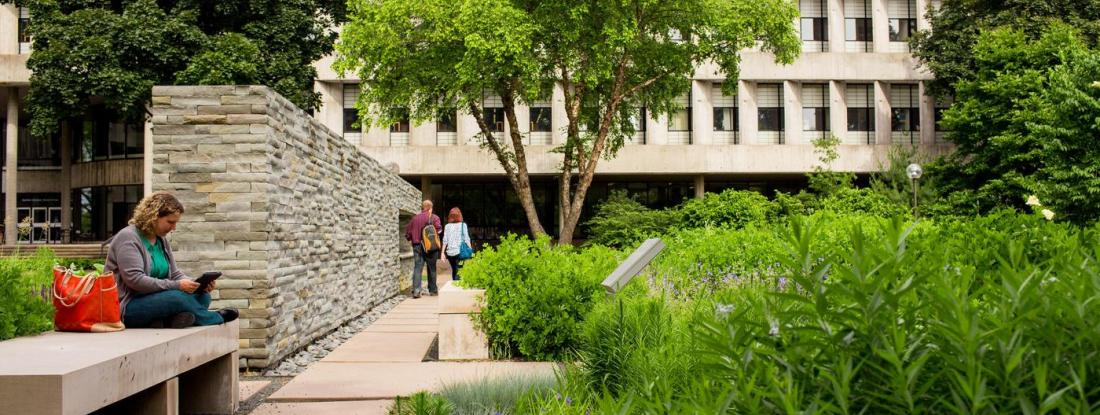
(747, 117)
(792, 112)
(426, 187)
(700, 186)
(927, 116)
(558, 120)
(838, 110)
(11, 166)
(836, 25)
(880, 26)
(376, 137)
(331, 111)
(702, 112)
(66, 180)
(466, 128)
(9, 37)
(656, 130)
(147, 156)
(523, 118)
(882, 112)
(922, 20)
(422, 134)
(211, 388)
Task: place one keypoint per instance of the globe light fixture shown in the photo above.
(914, 171)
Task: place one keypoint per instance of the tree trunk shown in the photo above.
(520, 180)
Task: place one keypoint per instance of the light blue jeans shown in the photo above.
(143, 311)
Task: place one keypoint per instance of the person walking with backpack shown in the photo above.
(423, 232)
(456, 241)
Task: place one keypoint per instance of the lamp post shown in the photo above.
(914, 172)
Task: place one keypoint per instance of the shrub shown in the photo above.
(733, 208)
(990, 315)
(623, 222)
(637, 343)
(495, 395)
(24, 289)
(536, 294)
(864, 201)
(421, 403)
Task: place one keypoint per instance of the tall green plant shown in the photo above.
(24, 288)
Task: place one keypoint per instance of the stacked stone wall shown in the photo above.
(305, 227)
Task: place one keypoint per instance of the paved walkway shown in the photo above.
(365, 374)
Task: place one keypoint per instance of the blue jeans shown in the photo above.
(143, 311)
(421, 258)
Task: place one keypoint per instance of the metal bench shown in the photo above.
(142, 371)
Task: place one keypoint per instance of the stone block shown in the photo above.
(205, 119)
(247, 118)
(223, 187)
(223, 129)
(224, 109)
(244, 99)
(460, 340)
(457, 300)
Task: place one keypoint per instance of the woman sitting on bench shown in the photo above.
(152, 291)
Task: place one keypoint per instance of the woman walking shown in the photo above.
(455, 233)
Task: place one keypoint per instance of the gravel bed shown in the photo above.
(297, 363)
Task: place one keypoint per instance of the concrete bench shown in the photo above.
(142, 371)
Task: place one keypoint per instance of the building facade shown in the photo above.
(855, 80)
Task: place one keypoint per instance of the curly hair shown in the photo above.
(153, 207)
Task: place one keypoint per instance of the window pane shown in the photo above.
(351, 116)
(858, 30)
(770, 119)
(814, 28)
(117, 139)
(861, 119)
(725, 119)
(135, 140)
(540, 119)
(446, 122)
(902, 29)
(495, 118)
(905, 119)
(680, 120)
(815, 119)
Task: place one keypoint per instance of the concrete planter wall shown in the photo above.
(458, 338)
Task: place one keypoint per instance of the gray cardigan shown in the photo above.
(130, 262)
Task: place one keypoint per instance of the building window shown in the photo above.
(858, 27)
(636, 123)
(33, 151)
(399, 130)
(814, 25)
(815, 111)
(446, 128)
(99, 212)
(904, 114)
(24, 34)
(100, 137)
(540, 124)
(679, 121)
(38, 217)
(353, 131)
(540, 119)
(940, 131)
(770, 113)
(726, 123)
(861, 114)
(494, 117)
(903, 23)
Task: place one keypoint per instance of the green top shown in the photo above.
(159, 270)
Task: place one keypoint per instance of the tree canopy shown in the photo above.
(1026, 122)
(947, 49)
(112, 52)
(610, 58)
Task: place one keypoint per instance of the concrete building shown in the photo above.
(856, 80)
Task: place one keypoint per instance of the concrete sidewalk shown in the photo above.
(365, 374)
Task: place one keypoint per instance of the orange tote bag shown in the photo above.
(85, 303)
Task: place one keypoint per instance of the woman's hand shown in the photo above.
(210, 287)
(188, 286)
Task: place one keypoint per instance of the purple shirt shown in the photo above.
(412, 231)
